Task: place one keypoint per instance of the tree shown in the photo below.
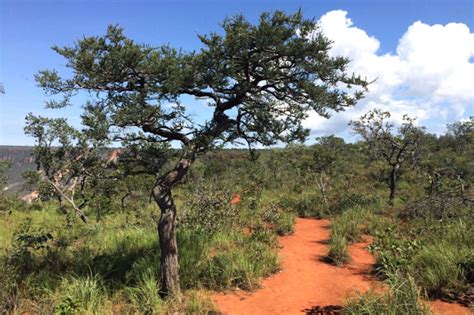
(325, 156)
(66, 159)
(396, 149)
(260, 80)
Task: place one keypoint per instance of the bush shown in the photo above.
(281, 220)
(437, 207)
(393, 253)
(209, 210)
(354, 200)
(306, 206)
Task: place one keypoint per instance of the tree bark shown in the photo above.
(167, 227)
(168, 244)
(393, 183)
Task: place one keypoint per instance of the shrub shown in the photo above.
(436, 207)
(281, 220)
(209, 210)
(306, 206)
(353, 200)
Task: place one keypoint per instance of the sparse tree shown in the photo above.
(396, 149)
(66, 159)
(260, 80)
(325, 156)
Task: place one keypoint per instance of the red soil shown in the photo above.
(444, 308)
(306, 281)
(235, 200)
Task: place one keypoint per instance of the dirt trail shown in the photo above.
(305, 281)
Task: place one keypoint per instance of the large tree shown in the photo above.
(259, 80)
(397, 149)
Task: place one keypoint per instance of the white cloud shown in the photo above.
(430, 76)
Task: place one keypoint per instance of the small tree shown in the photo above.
(325, 156)
(65, 160)
(396, 149)
(260, 80)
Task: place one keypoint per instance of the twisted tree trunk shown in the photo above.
(169, 248)
(167, 228)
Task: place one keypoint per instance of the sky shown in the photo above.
(420, 52)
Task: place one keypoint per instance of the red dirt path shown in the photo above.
(305, 281)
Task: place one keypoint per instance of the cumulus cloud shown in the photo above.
(430, 76)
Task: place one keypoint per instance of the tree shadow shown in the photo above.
(324, 310)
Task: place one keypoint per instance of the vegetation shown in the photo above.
(396, 150)
(52, 262)
(260, 81)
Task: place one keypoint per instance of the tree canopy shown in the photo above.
(260, 79)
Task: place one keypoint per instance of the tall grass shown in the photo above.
(345, 229)
(79, 295)
(144, 297)
(402, 298)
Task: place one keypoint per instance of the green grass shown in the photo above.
(90, 268)
(346, 228)
(144, 296)
(338, 249)
(402, 298)
(79, 295)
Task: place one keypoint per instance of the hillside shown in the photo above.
(21, 160)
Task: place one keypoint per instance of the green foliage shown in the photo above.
(209, 210)
(352, 200)
(393, 252)
(281, 220)
(403, 297)
(304, 205)
(438, 267)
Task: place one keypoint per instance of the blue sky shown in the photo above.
(29, 28)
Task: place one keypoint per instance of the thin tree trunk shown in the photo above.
(393, 183)
(322, 187)
(122, 201)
